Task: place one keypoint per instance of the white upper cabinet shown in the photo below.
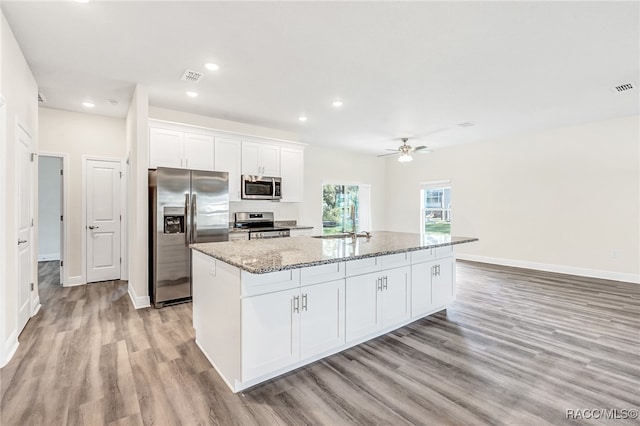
(227, 159)
(171, 148)
(260, 159)
(165, 148)
(292, 174)
(198, 152)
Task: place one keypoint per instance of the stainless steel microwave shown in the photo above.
(261, 187)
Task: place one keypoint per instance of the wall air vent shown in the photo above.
(624, 87)
(41, 98)
(191, 76)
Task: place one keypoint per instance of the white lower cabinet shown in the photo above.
(375, 301)
(281, 328)
(321, 318)
(443, 282)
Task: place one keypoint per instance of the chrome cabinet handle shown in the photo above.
(304, 302)
(94, 227)
(296, 304)
(379, 283)
(21, 241)
(384, 286)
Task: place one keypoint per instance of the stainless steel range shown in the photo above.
(259, 225)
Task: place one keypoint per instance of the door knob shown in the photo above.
(93, 227)
(21, 241)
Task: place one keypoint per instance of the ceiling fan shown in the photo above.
(405, 150)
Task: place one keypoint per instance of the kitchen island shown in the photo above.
(265, 307)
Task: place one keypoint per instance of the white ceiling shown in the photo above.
(401, 68)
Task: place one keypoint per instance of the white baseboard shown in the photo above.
(9, 349)
(37, 307)
(560, 269)
(72, 281)
(47, 257)
(139, 302)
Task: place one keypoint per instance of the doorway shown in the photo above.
(50, 220)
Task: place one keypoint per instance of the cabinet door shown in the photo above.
(270, 333)
(198, 152)
(321, 318)
(251, 158)
(395, 296)
(165, 148)
(362, 314)
(227, 159)
(444, 282)
(292, 173)
(269, 159)
(421, 301)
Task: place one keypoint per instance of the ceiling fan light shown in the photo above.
(405, 158)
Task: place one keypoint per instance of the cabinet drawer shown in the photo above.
(322, 273)
(362, 266)
(393, 260)
(254, 284)
(445, 251)
(425, 255)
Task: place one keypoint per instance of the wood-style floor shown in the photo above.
(517, 348)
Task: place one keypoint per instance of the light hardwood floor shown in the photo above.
(517, 348)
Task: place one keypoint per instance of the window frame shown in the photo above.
(424, 186)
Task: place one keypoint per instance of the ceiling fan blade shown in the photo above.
(394, 150)
(419, 148)
(386, 155)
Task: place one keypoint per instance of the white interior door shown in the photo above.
(25, 215)
(103, 220)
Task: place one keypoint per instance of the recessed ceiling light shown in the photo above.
(212, 67)
(337, 103)
(192, 94)
(302, 118)
(88, 104)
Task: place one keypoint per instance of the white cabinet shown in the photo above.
(260, 159)
(171, 148)
(270, 332)
(165, 148)
(300, 232)
(292, 173)
(376, 301)
(443, 282)
(280, 328)
(198, 152)
(238, 236)
(432, 281)
(227, 159)
(321, 318)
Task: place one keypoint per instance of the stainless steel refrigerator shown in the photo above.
(185, 206)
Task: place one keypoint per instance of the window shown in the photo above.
(435, 202)
(345, 208)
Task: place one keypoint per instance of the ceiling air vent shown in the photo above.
(191, 76)
(466, 124)
(624, 87)
(41, 98)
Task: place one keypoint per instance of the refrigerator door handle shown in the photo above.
(194, 219)
(186, 217)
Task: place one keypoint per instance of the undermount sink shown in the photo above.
(338, 236)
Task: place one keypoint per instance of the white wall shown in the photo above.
(326, 165)
(562, 200)
(20, 90)
(138, 212)
(79, 135)
(49, 191)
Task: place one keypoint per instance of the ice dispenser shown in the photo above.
(174, 220)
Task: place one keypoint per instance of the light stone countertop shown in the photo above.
(278, 254)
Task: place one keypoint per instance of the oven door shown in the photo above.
(263, 188)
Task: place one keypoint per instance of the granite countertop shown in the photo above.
(278, 254)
